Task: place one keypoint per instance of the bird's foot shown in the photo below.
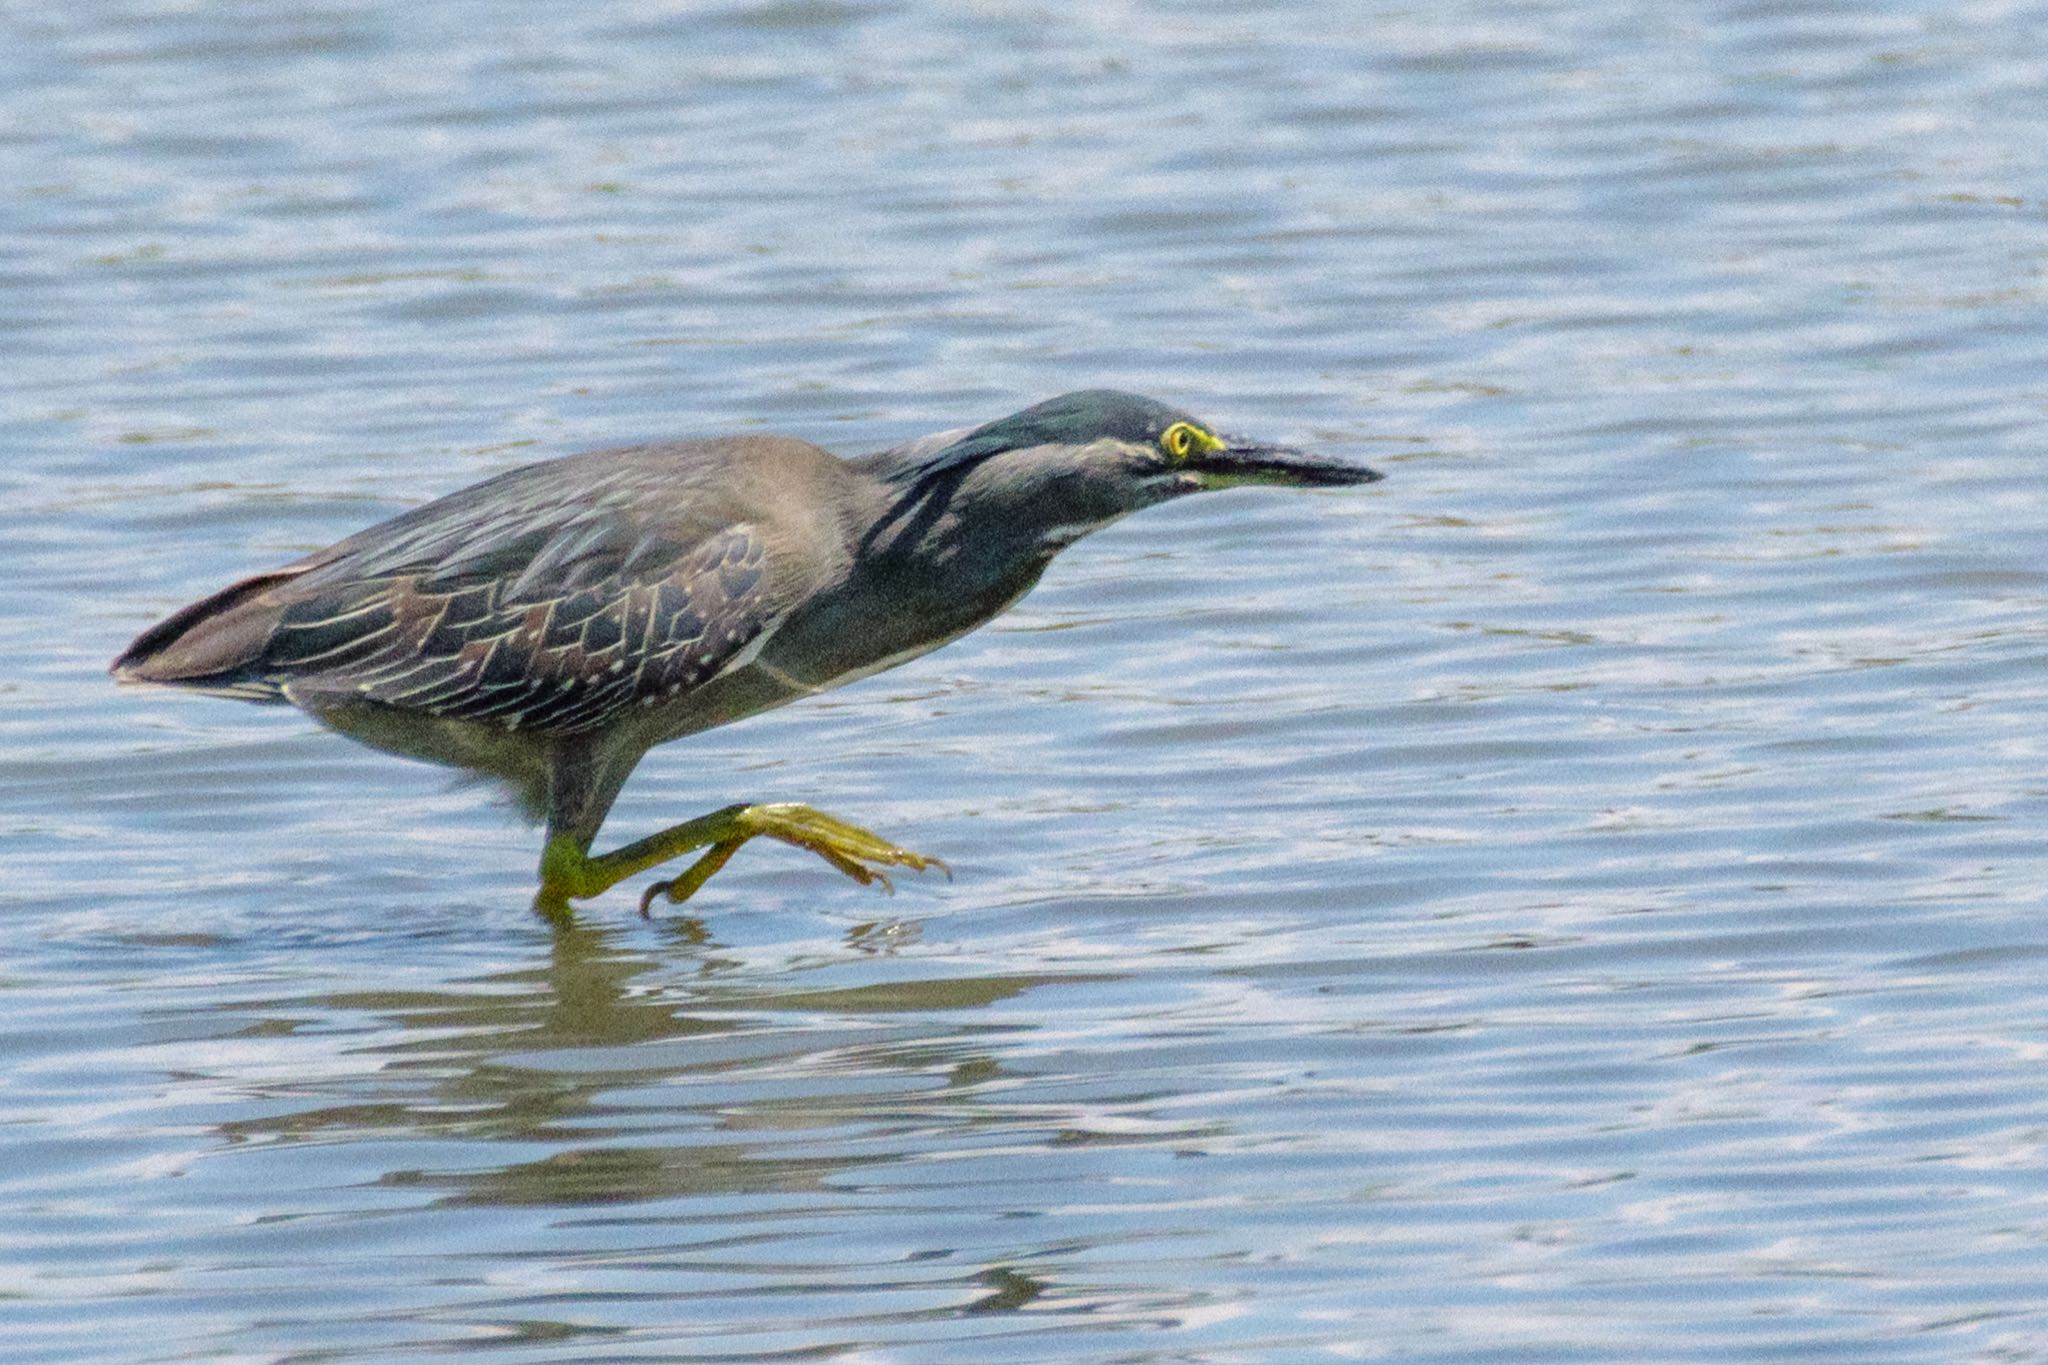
(859, 853)
(568, 871)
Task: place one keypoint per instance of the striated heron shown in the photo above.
(548, 626)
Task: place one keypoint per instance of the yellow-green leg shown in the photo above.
(569, 872)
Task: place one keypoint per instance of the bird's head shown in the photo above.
(1084, 459)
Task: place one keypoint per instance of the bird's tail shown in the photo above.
(216, 645)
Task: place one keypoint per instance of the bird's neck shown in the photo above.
(957, 548)
(929, 561)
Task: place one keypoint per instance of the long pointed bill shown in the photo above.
(1242, 463)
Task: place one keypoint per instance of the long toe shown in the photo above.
(861, 854)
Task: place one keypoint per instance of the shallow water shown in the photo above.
(1577, 900)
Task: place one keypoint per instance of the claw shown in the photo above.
(680, 889)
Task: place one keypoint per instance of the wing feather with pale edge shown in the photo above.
(559, 626)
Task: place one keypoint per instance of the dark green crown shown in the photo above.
(1070, 419)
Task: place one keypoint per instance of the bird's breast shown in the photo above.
(879, 623)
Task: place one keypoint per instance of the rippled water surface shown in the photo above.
(1577, 900)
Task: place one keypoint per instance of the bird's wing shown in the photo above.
(556, 613)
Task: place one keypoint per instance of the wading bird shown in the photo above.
(548, 626)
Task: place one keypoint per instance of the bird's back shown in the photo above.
(552, 597)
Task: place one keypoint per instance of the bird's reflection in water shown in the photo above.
(648, 1074)
(685, 1129)
(1010, 1289)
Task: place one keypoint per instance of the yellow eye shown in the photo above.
(1183, 439)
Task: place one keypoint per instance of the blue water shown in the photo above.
(1578, 900)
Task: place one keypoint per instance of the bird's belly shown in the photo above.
(514, 757)
(868, 669)
(809, 660)
(729, 697)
